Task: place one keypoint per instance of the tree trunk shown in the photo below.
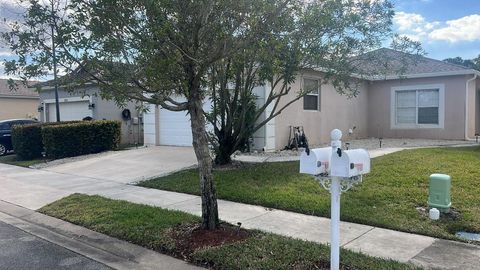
(210, 219)
(225, 150)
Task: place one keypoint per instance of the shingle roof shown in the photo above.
(388, 62)
(80, 75)
(21, 91)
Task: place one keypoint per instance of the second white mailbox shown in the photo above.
(317, 162)
(349, 163)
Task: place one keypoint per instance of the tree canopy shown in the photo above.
(176, 53)
(470, 63)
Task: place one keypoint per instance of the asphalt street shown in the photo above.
(20, 250)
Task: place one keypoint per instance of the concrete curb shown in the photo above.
(107, 250)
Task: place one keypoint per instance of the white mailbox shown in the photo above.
(317, 162)
(349, 163)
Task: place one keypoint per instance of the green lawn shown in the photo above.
(12, 160)
(154, 228)
(388, 196)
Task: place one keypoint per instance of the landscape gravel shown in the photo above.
(369, 144)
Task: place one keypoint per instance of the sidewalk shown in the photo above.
(33, 189)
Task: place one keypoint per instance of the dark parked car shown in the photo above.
(6, 133)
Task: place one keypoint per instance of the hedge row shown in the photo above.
(65, 139)
(27, 141)
(80, 138)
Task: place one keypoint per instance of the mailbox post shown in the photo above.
(337, 171)
(335, 193)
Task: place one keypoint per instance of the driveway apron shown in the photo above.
(130, 165)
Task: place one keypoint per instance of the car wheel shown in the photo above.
(3, 149)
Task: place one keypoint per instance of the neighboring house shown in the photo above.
(19, 103)
(430, 99)
(84, 102)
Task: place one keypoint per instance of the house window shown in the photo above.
(311, 101)
(417, 107)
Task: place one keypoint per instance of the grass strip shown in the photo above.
(157, 229)
(12, 160)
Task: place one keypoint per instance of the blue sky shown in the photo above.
(446, 28)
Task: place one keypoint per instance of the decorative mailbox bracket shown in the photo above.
(337, 171)
(345, 184)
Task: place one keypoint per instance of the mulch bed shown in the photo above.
(190, 237)
(452, 215)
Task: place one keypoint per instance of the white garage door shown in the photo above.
(175, 128)
(69, 111)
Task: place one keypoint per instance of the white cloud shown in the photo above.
(406, 21)
(416, 27)
(413, 25)
(464, 29)
(10, 11)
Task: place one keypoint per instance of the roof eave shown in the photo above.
(423, 75)
(19, 96)
(51, 87)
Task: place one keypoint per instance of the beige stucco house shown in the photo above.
(19, 103)
(429, 99)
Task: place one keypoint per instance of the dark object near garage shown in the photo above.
(6, 133)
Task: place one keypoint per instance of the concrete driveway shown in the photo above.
(130, 165)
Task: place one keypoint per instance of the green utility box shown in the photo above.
(439, 192)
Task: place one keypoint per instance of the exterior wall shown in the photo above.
(379, 110)
(370, 113)
(472, 98)
(264, 137)
(270, 127)
(477, 106)
(132, 131)
(336, 111)
(18, 107)
(151, 125)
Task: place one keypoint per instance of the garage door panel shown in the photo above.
(69, 111)
(175, 128)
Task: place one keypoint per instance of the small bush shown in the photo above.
(27, 141)
(80, 138)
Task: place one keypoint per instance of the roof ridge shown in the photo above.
(22, 90)
(447, 63)
(423, 56)
(420, 64)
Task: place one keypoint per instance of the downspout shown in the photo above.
(466, 107)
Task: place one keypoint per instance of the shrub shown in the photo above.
(27, 141)
(80, 138)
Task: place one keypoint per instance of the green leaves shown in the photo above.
(151, 50)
